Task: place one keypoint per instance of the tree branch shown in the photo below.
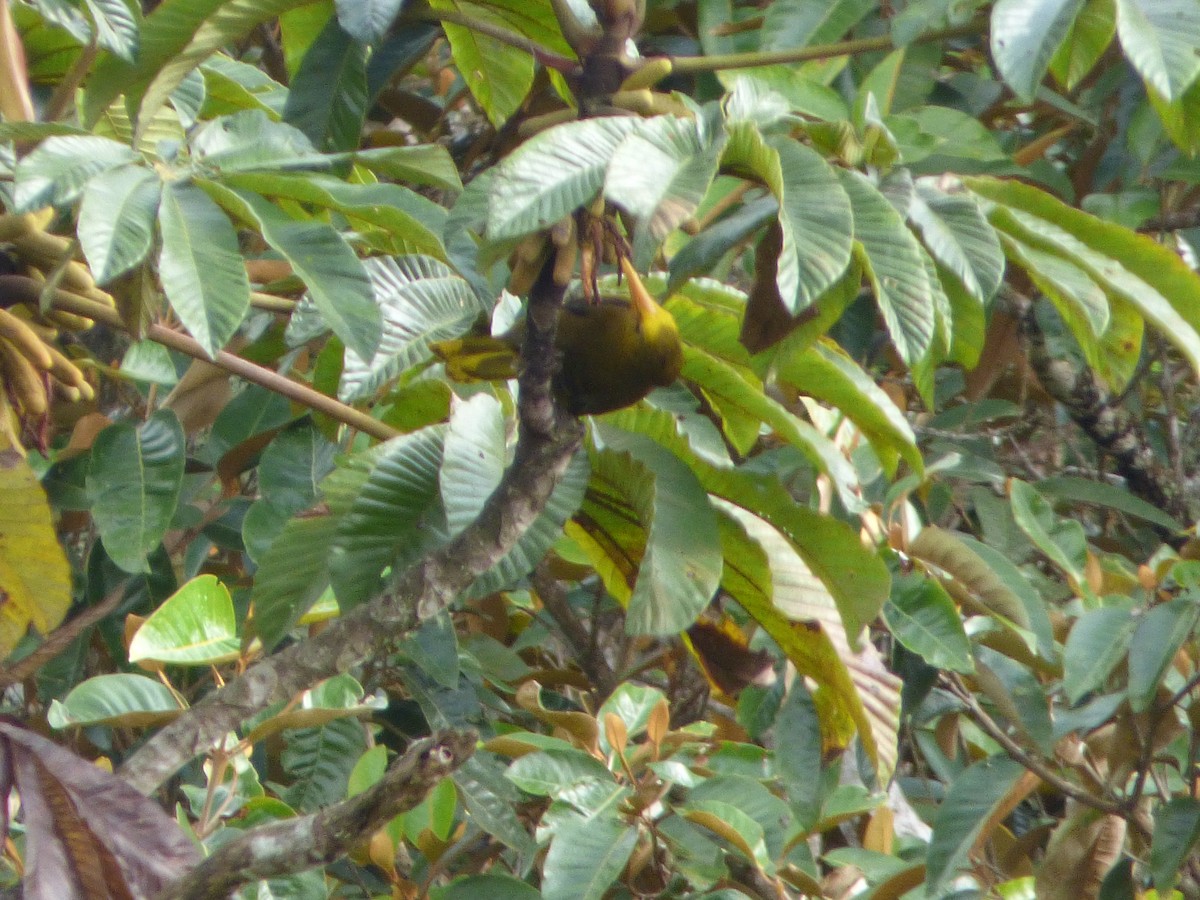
(1099, 413)
(548, 439)
(293, 845)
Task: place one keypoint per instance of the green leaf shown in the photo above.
(367, 21)
(814, 627)
(251, 140)
(421, 164)
(987, 590)
(201, 269)
(959, 237)
(116, 220)
(633, 704)
(661, 172)
(336, 279)
(318, 762)
(1062, 540)
(1024, 36)
(586, 858)
(327, 97)
(973, 798)
(133, 485)
(116, 27)
(1140, 271)
(789, 24)
(814, 211)
(124, 699)
(393, 513)
(195, 626)
(732, 394)
(552, 174)
(1016, 691)
(1160, 634)
(798, 756)
(473, 459)
(705, 250)
(826, 372)
(892, 262)
(681, 568)
(1176, 830)
(494, 887)
(421, 301)
(1160, 38)
(553, 773)
(57, 171)
(491, 800)
(1090, 35)
(727, 821)
(1097, 643)
(498, 75)
(409, 223)
(1081, 302)
(231, 86)
(1099, 493)
(177, 37)
(922, 617)
(291, 576)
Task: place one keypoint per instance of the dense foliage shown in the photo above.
(890, 594)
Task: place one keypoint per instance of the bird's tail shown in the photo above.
(477, 358)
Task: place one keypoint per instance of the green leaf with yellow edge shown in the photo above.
(680, 568)
(35, 578)
(826, 372)
(728, 822)
(195, 626)
(1140, 271)
(797, 610)
(733, 395)
(124, 699)
(855, 576)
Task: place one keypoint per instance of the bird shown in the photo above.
(614, 350)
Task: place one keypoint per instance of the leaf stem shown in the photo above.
(503, 35)
(235, 365)
(693, 64)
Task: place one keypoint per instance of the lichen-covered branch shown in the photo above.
(1099, 413)
(293, 845)
(548, 438)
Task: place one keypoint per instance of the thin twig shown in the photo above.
(694, 64)
(1034, 764)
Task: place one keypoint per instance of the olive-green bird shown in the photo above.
(614, 351)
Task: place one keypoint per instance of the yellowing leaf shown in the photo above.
(35, 580)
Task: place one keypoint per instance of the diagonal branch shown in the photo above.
(548, 439)
(293, 845)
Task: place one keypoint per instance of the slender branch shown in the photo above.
(16, 286)
(693, 64)
(293, 845)
(1035, 764)
(503, 35)
(548, 439)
